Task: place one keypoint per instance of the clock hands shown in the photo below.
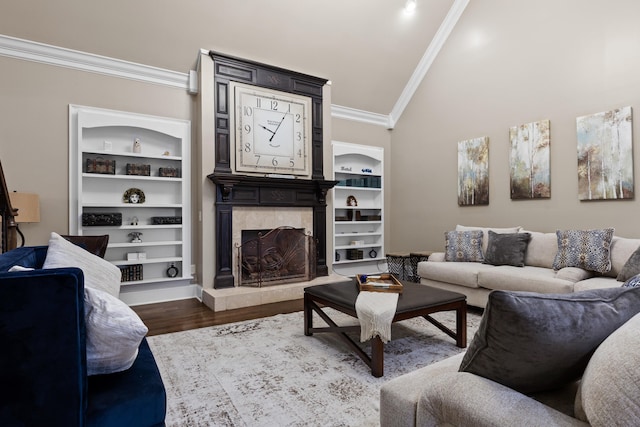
(274, 132)
(266, 128)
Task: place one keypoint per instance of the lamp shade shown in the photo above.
(28, 205)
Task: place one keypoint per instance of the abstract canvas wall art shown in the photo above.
(529, 161)
(605, 155)
(473, 172)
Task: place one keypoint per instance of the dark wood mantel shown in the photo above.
(244, 190)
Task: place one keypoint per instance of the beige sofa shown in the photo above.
(476, 280)
(586, 373)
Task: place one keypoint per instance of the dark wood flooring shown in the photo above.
(182, 315)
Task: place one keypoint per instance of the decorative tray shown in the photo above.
(384, 282)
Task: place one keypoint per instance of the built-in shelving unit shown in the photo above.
(358, 205)
(162, 222)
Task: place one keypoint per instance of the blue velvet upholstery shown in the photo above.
(43, 379)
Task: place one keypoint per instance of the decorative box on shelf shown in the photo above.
(354, 254)
(101, 166)
(163, 220)
(98, 219)
(131, 273)
(136, 169)
(170, 172)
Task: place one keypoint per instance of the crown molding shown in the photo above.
(429, 56)
(52, 55)
(347, 113)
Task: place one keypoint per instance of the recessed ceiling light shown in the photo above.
(410, 6)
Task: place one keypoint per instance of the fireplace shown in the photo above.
(242, 193)
(274, 257)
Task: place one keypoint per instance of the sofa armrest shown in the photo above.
(465, 399)
(43, 357)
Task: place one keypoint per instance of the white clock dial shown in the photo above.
(272, 131)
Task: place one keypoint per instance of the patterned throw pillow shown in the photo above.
(463, 246)
(586, 249)
(633, 282)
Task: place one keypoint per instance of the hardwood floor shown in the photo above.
(182, 315)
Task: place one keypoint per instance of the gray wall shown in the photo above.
(509, 63)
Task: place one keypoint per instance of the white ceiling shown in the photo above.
(368, 49)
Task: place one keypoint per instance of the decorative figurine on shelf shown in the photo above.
(134, 220)
(172, 271)
(351, 201)
(166, 153)
(137, 147)
(373, 253)
(135, 237)
(133, 195)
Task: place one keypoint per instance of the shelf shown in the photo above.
(357, 234)
(143, 244)
(364, 246)
(130, 177)
(126, 154)
(157, 280)
(354, 261)
(131, 205)
(146, 261)
(358, 188)
(130, 227)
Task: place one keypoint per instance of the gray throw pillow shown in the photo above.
(631, 267)
(463, 246)
(507, 248)
(535, 342)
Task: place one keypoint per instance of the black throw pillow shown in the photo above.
(507, 248)
(534, 342)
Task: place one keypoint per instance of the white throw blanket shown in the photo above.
(375, 312)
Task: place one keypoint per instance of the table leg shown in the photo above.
(377, 357)
(461, 326)
(308, 315)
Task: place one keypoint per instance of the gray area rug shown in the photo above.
(266, 372)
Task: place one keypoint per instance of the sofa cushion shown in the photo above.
(533, 342)
(534, 279)
(459, 273)
(463, 246)
(114, 332)
(587, 249)
(140, 399)
(631, 267)
(609, 393)
(98, 273)
(506, 248)
(485, 232)
(596, 282)
(621, 250)
(541, 250)
(573, 274)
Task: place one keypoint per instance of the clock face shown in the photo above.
(272, 131)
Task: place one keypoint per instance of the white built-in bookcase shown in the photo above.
(108, 135)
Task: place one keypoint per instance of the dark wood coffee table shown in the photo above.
(415, 300)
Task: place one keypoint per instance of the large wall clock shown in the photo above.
(272, 130)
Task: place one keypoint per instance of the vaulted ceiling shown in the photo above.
(371, 50)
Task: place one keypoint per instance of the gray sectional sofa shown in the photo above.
(476, 279)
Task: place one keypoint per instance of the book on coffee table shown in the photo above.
(384, 282)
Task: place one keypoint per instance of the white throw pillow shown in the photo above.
(98, 273)
(114, 333)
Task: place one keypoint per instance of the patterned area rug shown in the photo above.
(266, 372)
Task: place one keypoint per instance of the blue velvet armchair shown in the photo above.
(43, 372)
